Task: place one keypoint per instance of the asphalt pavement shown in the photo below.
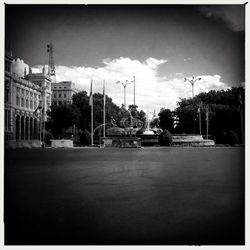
(112, 196)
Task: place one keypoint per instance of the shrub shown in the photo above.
(221, 138)
(85, 138)
(232, 138)
(165, 138)
(47, 137)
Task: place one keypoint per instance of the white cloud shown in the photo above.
(152, 91)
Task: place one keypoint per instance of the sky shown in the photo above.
(158, 44)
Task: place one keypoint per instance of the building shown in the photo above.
(62, 92)
(24, 99)
(43, 81)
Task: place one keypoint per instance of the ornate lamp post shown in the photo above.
(124, 86)
(192, 81)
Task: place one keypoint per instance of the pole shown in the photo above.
(207, 120)
(124, 96)
(192, 81)
(134, 90)
(92, 124)
(124, 86)
(40, 132)
(200, 119)
(104, 107)
(91, 103)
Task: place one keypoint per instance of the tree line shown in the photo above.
(222, 111)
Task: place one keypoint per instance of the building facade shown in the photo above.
(62, 92)
(23, 98)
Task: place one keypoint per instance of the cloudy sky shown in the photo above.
(158, 44)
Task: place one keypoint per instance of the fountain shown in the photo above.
(148, 131)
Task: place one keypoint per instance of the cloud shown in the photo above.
(18, 67)
(232, 15)
(152, 90)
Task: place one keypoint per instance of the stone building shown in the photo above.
(24, 99)
(62, 92)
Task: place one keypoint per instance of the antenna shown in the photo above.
(52, 69)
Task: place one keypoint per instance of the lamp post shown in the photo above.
(124, 86)
(134, 89)
(192, 81)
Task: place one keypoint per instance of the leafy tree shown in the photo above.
(166, 118)
(225, 110)
(81, 101)
(232, 138)
(165, 138)
(63, 117)
(47, 137)
(85, 138)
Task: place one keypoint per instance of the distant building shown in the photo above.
(24, 99)
(62, 92)
(44, 82)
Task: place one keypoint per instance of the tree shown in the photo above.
(225, 110)
(166, 118)
(63, 117)
(81, 101)
(165, 138)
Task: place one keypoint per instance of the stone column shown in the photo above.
(28, 129)
(20, 127)
(24, 127)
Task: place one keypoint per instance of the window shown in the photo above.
(22, 102)
(17, 100)
(27, 92)
(7, 120)
(54, 95)
(7, 95)
(65, 95)
(8, 117)
(23, 91)
(27, 103)
(17, 90)
(7, 66)
(59, 103)
(31, 104)
(35, 104)
(59, 95)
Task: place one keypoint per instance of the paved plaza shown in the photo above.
(154, 195)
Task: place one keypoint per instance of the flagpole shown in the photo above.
(207, 120)
(134, 90)
(200, 119)
(104, 107)
(92, 113)
(92, 123)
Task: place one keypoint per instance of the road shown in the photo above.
(147, 196)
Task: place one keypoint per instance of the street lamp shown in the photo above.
(192, 81)
(124, 86)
